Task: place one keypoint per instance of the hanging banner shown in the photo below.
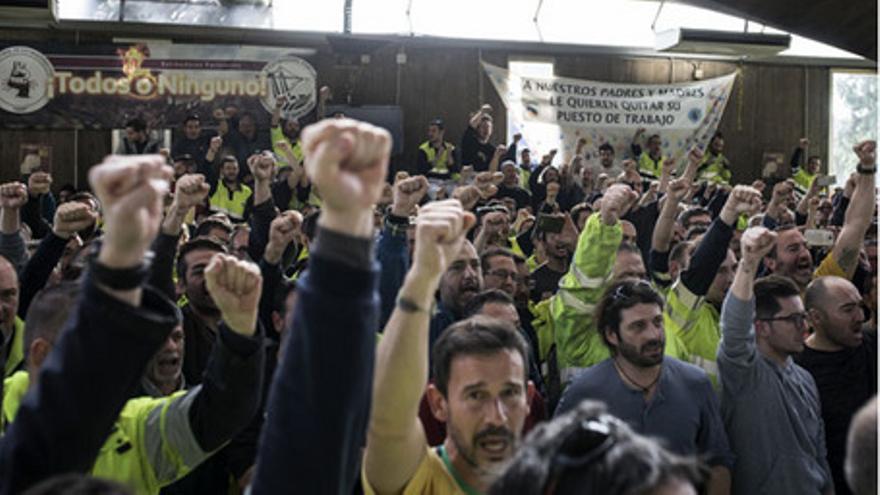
(101, 86)
(683, 114)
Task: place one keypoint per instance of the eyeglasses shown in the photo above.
(504, 274)
(799, 320)
(586, 445)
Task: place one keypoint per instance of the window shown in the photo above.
(853, 118)
(538, 137)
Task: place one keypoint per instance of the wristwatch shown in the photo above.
(866, 170)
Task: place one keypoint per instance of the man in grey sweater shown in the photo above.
(769, 404)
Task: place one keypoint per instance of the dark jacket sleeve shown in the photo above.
(38, 270)
(162, 269)
(422, 164)
(708, 256)
(795, 162)
(271, 279)
(315, 428)
(393, 263)
(12, 247)
(839, 212)
(231, 388)
(63, 420)
(31, 214)
(261, 218)
(281, 194)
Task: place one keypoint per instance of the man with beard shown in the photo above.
(657, 397)
(137, 139)
(436, 156)
(557, 249)
(769, 404)
(715, 167)
(228, 194)
(510, 186)
(287, 131)
(842, 357)
(191, 142)
(480, 389)
(791, 256)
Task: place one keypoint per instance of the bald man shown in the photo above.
(861, 451)
(842, 357)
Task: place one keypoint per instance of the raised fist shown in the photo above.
(216, 143)
(756, 242)
(866, 151)
(325, 93)
(440, 231)
(407, 194)
(13, 195)
(487, 183)
(190, 190)
(280, 101)
(39, 183)
(494, 224)
(517, 137)
(282, 231)
(262, 166)
(695, 155)
(130, 189)
(804, 143)
(235, 288)
(500, 150)
(616, 202)
(742, 199)
(348, 161)
(71, 217)
(487, 108)
(469, 196)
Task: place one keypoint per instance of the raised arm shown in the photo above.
(477, 117)
(119, 323)
(396, 441)
(314, 429)
(13, 196)
(738, 339)
(859, 214)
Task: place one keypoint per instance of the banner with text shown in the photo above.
(683, 114)
(101, 86)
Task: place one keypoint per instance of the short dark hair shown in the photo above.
(196, 243)
(589, 451)
(767, 291)
(49, 311)
(310, 224)
(190, 117)
(477, 335)
(685, 217)
(578, 209)
(717, 135)
(439, 123)
(209, 224)
(619, 297)
(487, 297)
(813, 158)
(229, 159)
(78, 484)
(137, 124)
(606, 147)
(491, 253)
(695, 231)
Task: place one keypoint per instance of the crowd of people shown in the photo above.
(264, 310)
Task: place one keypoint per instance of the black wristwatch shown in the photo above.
(865, 170)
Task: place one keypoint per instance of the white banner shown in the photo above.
(683, 114)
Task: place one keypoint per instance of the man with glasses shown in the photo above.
(664, 398)
(842, 357)
(770, 405)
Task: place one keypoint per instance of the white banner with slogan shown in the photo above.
(683, 114)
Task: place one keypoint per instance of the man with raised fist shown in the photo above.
(319, 404)
(50, 435)
(779, 445)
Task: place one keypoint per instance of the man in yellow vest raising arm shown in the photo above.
(436, 156)
(228, 194)
(650, 160)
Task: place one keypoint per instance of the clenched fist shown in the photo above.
(71, 217)
(235, 286)
(407, 194)
(13, 195)
(39, 183)
(130, 189)
(440, 232)
(282, 231)
(190, 190)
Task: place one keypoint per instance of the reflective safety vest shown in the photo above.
(802, 181)
(648, 168)
(524, 176)
(278, 135)
(230, 202)
(16, 349)
(147, 448)
(696, 324)
(572, 310)
(714, 168)
(439, 162)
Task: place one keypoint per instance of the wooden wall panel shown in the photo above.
(770, 106)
